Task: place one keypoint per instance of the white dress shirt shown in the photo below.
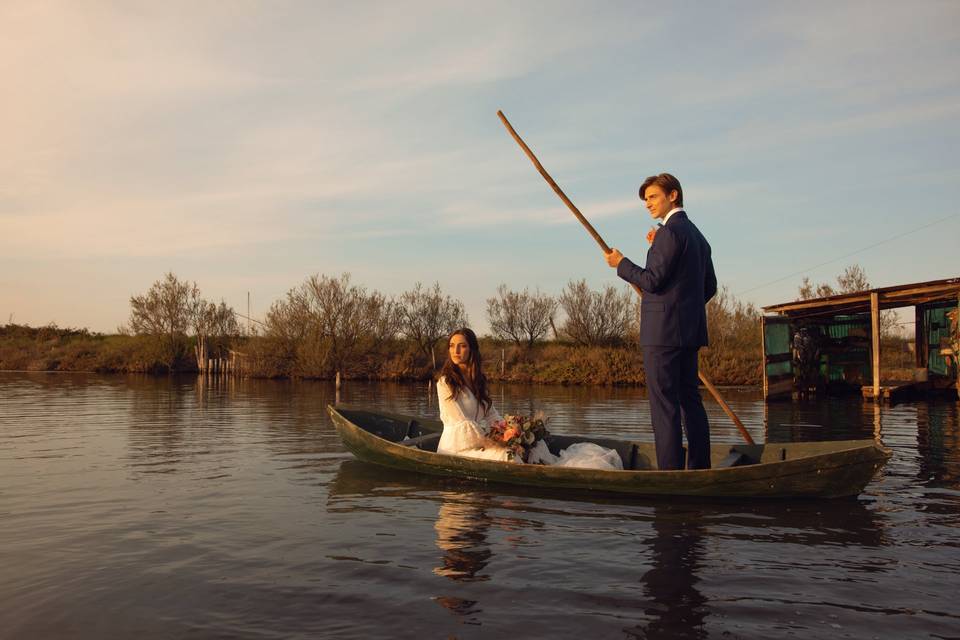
(670, 213)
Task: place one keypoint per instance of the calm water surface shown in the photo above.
(174, 508)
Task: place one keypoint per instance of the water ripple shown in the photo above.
(186, 507)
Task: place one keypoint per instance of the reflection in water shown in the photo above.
(158, 417)
(462, 528)
(262, 525)
(676, 608)
(824, 419)
(938, 439)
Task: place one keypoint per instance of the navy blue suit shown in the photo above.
(677, 282)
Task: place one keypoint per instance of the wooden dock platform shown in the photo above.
(894, 391)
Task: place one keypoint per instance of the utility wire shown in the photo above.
(240, 315)
(823, 264)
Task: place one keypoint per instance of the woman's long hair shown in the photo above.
(475, 380)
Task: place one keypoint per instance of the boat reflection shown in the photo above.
(674, 543)
(839, 521)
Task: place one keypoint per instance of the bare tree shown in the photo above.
(427, 315)
(166, 312)
(327, 324)
(596, 317)
(732, 324)
(523, 317)
(809, 291)
(346, 319)
(214, 325)
(851, 280)
(286, 327)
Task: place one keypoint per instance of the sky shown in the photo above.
(248, 145)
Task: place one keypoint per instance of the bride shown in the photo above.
(467, 413)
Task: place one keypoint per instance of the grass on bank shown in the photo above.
(51, 348)
(728, 362)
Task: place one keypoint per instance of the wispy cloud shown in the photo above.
(134, 133)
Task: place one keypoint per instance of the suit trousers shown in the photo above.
(674, 393)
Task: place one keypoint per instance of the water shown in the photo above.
(171, 508)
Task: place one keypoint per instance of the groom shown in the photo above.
(677, 282)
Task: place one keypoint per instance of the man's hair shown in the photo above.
(665, 181)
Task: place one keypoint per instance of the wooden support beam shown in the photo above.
(875, 330)
(763, 354)
(920, 337)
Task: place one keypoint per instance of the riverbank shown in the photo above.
(728, 362)
(25, 348)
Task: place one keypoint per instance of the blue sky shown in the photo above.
(248, 145)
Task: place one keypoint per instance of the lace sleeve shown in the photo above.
(492, 414)
(469, 434)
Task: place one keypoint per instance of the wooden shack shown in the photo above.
(832, 344)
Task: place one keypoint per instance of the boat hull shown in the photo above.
(782, 470)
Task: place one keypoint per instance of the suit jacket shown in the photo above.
(676, 283)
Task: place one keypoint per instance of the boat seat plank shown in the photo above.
(734, 459)
(419, 441)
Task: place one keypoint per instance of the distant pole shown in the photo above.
(248, 313)
(875, 330)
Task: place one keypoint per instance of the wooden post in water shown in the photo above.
(956, 351)
(877, 429)
(763, 356)
(875, 326)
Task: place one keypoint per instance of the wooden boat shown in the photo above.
(774, 470)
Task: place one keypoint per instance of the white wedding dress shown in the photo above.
(464, 434)
(464, 429)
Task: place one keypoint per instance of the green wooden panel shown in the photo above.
(938, 330)
(776, 339)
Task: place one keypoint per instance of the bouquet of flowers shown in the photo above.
(519, 433)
